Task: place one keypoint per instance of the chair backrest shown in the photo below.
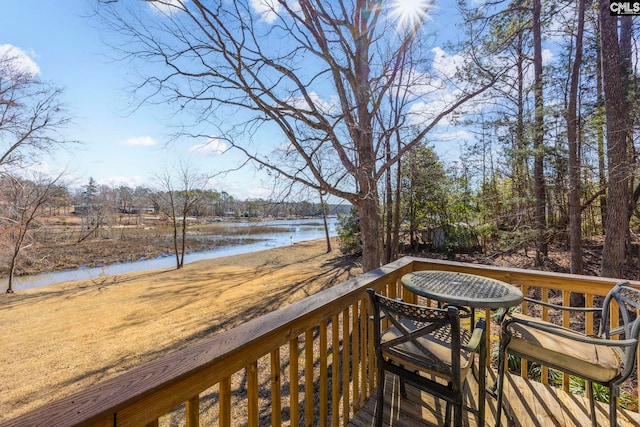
(627, 300)
(413, 321)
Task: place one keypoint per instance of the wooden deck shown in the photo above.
(528, 402)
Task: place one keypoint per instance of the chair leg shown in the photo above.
(613, 405)
(500, 380)
(592, 404)
(500, 387)
(482, 383)
(380, 400)
(457, 415)
(447, 414)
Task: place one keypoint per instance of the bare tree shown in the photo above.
(31, 113)
(178, 193)
(320, 73)
(25, 201)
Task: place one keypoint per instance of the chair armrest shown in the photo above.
(476, 337)
(567, 333)
(563, 307)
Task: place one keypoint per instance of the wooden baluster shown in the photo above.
(293, 383)
(225, 402)
(276, 387)
(392, 290)
(345, 366)
(308, 378)
(566, 322)
(588, 318)
(335, 370)
(371, 349)
(589, 330)
(252, 394)
(355, 353)
(544, 296)
(193, 412)
(324, 380)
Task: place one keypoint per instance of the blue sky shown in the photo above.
(118, 146)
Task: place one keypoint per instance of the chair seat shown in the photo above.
(439, 345)
(597, 362)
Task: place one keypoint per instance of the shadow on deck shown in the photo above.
(529, 403)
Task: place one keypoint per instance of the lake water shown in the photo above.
(303, 230)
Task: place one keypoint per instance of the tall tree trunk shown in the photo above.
(575, 209)
(628, 80)
(368, 200)
(396, 216)
(602, 175)
(520, 158)
(538, 140)
(388, 248)
(370, 230)
(613, 254)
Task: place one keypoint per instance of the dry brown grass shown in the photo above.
(61, 338)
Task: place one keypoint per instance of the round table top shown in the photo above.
(462, 289)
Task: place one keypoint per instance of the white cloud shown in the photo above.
(324, 106)
(115, 181)
(452, 136)
(139, 141)
(21, 59)
(267, 9)
(414, 84)
(212, 146)
(423, 112)
(447, 65)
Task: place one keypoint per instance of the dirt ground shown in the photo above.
(61, 338)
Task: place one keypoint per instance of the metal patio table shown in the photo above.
(462, 289)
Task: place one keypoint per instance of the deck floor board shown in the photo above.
(529, 403)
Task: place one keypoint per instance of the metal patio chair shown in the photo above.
(597, 359)
(427, 347)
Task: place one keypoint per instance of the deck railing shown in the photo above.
(310, 363)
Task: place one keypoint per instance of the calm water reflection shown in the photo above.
(303, 230)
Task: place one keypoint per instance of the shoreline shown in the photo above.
(59, 261)
(60, 338)
(92, 271)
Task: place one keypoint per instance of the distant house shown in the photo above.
(136, 210)
(84, 210)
